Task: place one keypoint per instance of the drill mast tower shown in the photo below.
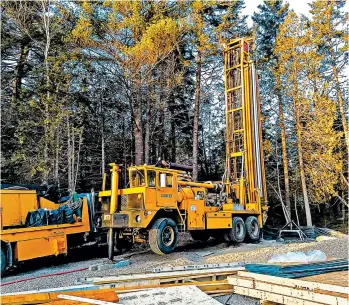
(244, 174)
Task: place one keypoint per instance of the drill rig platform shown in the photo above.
(163, 201)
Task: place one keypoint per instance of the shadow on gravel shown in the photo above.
(75, 255)
(96, 252)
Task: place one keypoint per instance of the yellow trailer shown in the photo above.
(19, 243)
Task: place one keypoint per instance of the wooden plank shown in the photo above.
(207, 287)
(84, 300)
(210, 287)
(287, 291)
(38, 298)
(150, 276)
(106, 296)
(294, 283)
(339, 278)
(197, 267)
(301, 294)
(273, 297)
(177, 280)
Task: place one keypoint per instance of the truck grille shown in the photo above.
(132, 201)
(123, 202)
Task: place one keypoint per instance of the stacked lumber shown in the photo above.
(300, 270)
(287, 291)
(211, 281)
(161, 278)
(268, 289)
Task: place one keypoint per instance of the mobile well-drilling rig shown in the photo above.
(163, 200)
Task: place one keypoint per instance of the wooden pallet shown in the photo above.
(268, 289)
(287, 291)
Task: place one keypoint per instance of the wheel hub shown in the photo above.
(168, 236)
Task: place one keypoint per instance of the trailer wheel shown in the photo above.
(253, 229)
(238, 232)
(200, 235)
(3, 261)
(163, 236)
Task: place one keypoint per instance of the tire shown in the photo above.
(253, 230)
(200, 235)
(163, 236)
(3, 261)
(238, 231)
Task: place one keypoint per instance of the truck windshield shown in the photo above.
(137, 178)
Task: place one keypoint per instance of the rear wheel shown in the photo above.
(200, 235)
(253, 229)
(3, 261)
(238, 231)
(163, 236)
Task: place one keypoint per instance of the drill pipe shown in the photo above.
(182, 167)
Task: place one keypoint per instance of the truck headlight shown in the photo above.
(138, 218)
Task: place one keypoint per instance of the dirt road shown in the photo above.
(188, 252)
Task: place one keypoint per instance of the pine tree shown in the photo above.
(137, 37)
(288, 47)
(267, 23)
(329, 23)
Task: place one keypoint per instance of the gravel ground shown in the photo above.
(188, 252)
(235, 299)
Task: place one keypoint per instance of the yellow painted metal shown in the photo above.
(114, 187)
(104, 181)
(40, 247)
(45, 240)
(219, 220)
(197, 184)
(47, 204)
(241, 139)
(196, 214)
(15, 205)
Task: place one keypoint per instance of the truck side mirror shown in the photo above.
(162, 180)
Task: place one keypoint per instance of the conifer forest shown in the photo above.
(87, 83)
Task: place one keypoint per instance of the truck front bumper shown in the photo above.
(115, 220)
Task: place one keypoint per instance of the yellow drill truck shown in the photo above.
(163, 200)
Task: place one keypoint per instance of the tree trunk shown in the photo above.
(160, 147)
(103, 153)
(70, 182)
(46, 20)
(172, 136)
(300, 151)
(340, 101)
(205, 155)
(147, 133)
(103, 141)
(283, 146)
(57, 158)
(20, 71)
(73, 158)
(138, 130)
(196, 117)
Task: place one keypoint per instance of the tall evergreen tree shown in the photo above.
(267, 24)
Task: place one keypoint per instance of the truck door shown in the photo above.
(167, 190)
